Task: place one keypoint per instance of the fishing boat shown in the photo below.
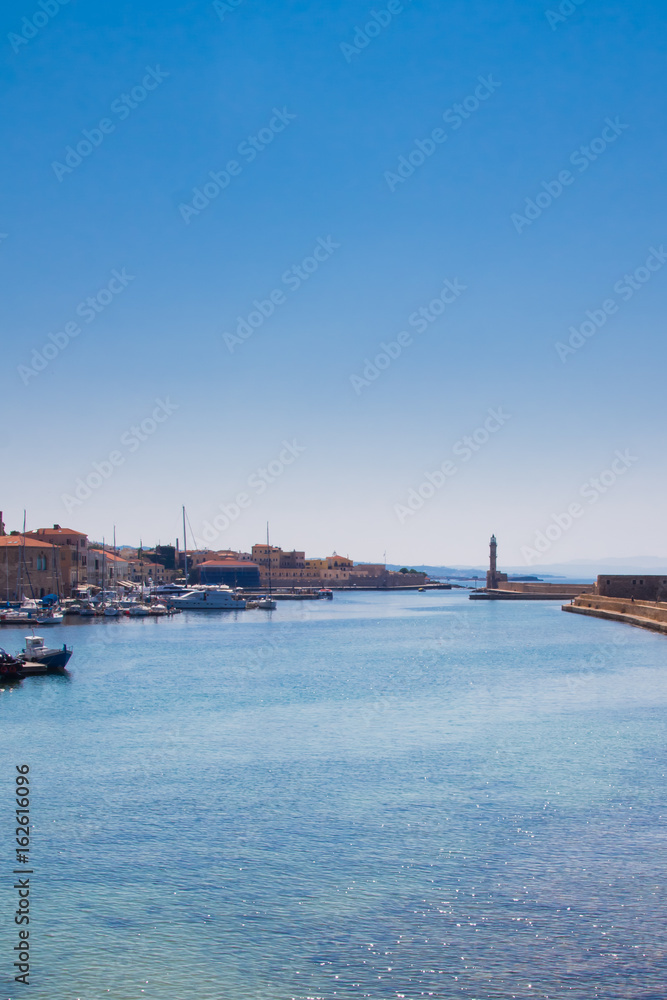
(35, 651)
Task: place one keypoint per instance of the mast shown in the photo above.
(104, 561)
(269, 548)
(22, 561)
(185, 549)
(56, 567)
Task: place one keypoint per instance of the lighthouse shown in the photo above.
(493, 577)
(492, 574)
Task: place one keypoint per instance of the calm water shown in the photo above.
(382, 796)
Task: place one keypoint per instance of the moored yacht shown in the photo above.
(220, 598)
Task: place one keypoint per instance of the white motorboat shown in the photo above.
(267, 603)
(218, 598)
(111, 611)
(138, 611)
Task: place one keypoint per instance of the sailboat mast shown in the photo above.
(185, 549)
(269, 550)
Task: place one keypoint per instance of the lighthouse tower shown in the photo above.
(493, 577)
(492, 574)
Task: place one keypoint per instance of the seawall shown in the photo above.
(641, 614)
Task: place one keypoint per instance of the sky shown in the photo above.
(389, 277)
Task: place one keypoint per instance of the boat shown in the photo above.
(25, 614)
(213, 598)
(325, 594)
(51, 618)
(87, 611)
(267, 603)
(111, 611)
(138, 611)
(36, 651)
(10, 667)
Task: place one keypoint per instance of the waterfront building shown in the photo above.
(32, 568)
(231, 572)
(629, 586)
(292, 569)
(106, 569)
(75, 543)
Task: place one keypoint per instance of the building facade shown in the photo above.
(641, 588)
(106, 569)
(32, 568)
(73, 542)
(230, 572)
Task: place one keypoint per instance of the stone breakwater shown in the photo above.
(643, 614)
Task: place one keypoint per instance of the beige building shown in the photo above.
(32, 568)
(75, 543)
(292, 569)
(106, 569)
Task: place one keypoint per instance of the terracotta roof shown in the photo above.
(56, 531)
(107, 555)
(18, 541)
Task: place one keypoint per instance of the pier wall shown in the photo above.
(643, 614)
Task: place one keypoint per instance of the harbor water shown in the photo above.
(396, 795)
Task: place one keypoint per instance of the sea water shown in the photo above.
(386, 795)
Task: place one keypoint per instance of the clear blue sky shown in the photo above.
(335, 111)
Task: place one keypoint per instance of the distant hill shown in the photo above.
(584, 570)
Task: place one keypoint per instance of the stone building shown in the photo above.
(641, 587)
(106, 569)
(33, 568)
(73, 542)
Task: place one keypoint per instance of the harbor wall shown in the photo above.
(643, 614)
(519, 591)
